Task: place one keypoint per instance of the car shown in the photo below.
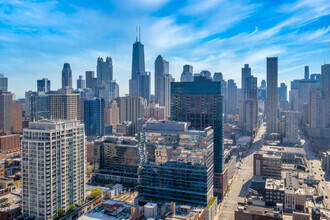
(320, 174)
(319, 168)
(322, 179)
(326, 197)
(322, 187)
(243, 179)
(312, 166)
(311, 162)
(314, 172)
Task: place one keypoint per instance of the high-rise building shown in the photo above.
(6, 111)
(291, 128)
(206, 73)
(176, 164)
(139, 84)
(263, 84)
(232, 97)
(246, 72)
(64, 106)
(43, 85)
(53, 167)
(163, 84)
(81, 84)
(282, 92)
(27, 106)
(187, 74)
(306, 74)
(325, 75)
(218, 77)
(272, 94)
(116, 158)
(161, 68)
(66, 76)
(38, 106)
(303, 92)
(90, 79)
(17, 117)
(130, 109)
(113, 89)
(3, 83)
(201, 107)
(316, 77)
(111, 113)
(248, 115)
(104, 70)
(94, 117)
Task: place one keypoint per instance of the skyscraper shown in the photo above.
(130, 109)
(111, 113)
(81, 83)
(272, 95)
(3, 83)
(201, 107)
(206, 73)
(94, 117)
(139, 84)
(38, 106)
(325, 75)
(64, 106)
(66, 76)
(176, 164)
(53, 167)
(17, 117)
(306, 74)
(104, 70)
(246, 72)
(43, 85)
(187, 74)
(163, 84)
(113, 89)
(6, 111)
(232, 97)
(161, 68)
(282, 92)
(90, 79)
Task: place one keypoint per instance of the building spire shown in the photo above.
(139, 33)
(136, 33)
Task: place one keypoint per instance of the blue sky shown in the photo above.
(37, 37)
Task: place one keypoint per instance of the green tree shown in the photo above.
(71, 208)
(95, 193)
(59, 214)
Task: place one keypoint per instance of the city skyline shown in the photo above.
(77, 34)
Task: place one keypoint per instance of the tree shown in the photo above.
(95, 193)
(71, 208)
(59, 214)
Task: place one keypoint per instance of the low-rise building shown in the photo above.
(274, 192)
(267, 165)
(255, 212)
(125, 128)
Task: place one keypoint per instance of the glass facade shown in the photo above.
(94, 117)
(175, 164)
(201, 104)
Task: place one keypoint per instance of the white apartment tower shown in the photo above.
(53, 167)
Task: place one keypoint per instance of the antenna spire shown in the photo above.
(139, 33)
(136, 33)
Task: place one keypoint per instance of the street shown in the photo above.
(315, 167)
(240, 184)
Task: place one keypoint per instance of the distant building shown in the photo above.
(38, 106)
(130, 109)
(94, 117)
(282, 92)
(64, 106)
(306, 74)
(113, 90)
(116, 160)
(9, 143)
(3, 83)
(187, 74)
(66, 76)
(274, 192)
(111, 113)
(90, 79)
(17, 117)
(256, 212)
(43, 85)
(6, 112)
(81, 83)
(155, 111)
(272, 95)
(303, 92)
(125, 128)
(248, 115)
(169, 154)
(104, 70)
(51, 180)
(232, 97)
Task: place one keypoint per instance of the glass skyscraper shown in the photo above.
(94, 117)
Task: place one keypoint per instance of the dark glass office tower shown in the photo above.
(201, 103)
(43, 85)
(94, 117)
(66, 77)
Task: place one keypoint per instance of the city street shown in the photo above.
(315, 167)
(239, 187)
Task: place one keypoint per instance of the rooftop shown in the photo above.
(272, 184)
